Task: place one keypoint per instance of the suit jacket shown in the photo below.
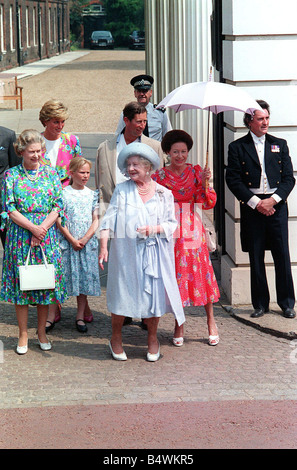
(68, 149)
(105, 167)
(244, 170)
(8, 157)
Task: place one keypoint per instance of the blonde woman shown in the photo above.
(61, 147)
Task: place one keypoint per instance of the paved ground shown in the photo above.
(240, 394)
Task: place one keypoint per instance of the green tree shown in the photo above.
(123, 17)
(76, 18)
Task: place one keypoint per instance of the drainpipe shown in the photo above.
(19, 53)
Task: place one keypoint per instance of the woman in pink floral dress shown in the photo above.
(61, 147)
(194, 271)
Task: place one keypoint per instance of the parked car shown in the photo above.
(102, 39)
(137, 40)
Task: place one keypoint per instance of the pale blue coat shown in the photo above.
(141, 272)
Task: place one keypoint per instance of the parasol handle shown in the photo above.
(206, 164)
(210, 74)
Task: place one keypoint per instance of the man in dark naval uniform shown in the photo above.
(8, 159)
(260, 175)
(158, 122)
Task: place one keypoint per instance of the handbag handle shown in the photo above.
(43, 256)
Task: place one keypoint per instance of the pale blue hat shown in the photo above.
(141, 150)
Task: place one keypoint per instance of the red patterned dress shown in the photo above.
(194, 272)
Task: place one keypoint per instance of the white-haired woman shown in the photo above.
(32, 202)
(141, 276)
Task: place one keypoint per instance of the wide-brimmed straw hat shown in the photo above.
(140, 150)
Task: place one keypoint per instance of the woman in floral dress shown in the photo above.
(78, 240)
(194, 271)
(32, 202)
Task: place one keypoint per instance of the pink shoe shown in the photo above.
(89, 318)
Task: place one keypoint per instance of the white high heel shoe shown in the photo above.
(44, 346)
(178, 341)
(22, 349)
(150, 357)
(118, 357)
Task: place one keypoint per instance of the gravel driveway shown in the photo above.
(95, 88)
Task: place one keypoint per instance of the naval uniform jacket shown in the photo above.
(8, 157)
(244, 172)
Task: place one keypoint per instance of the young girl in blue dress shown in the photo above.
(78, 241)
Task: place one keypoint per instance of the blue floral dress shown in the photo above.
(81, 267)
(34, 200)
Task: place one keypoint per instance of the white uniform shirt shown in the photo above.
(264, 187)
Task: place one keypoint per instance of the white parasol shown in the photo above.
(215, 97)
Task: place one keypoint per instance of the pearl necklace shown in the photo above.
(146, 190)
(31, 178)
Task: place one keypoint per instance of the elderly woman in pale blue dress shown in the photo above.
(141, 274)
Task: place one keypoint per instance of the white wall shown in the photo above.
(259, 55)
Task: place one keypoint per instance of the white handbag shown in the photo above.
(210, 234)
(37, 276)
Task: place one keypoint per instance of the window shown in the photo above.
(20, 27)
(34, 31)
(11, 29)
(49, 25)
(27, 28)
(2, 47)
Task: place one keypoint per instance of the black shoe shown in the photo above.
(127, 320)
(50, 327)
(143, 325)
(289, 313)
(82, 328)
(258, 312)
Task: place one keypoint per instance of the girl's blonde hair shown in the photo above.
(28, 137)
(76, 163)
(53, 109)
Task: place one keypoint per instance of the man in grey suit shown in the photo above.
(107, 174)
(8, 159)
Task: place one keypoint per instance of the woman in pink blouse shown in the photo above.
(61, 147)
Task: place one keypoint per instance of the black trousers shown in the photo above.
(3, 237)
(269, 232)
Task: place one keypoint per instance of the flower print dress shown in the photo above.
(34, 200)
(81, 267)
(194, 272)
(69, 148)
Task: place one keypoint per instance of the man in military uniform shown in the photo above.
(157, 119)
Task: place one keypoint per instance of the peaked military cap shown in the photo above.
(142, 82)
